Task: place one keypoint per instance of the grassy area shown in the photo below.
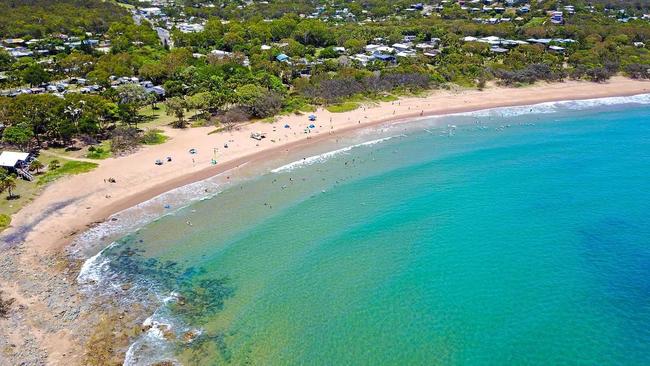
(155, 117)
(343, 107)
(26, 191)
(385, 98)
(99, 152)
(154, 137)
(68, 168)
(5, 221)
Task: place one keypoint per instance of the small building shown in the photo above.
(282, 57)
(384, 57)
(401, 47)
(557, 18)
(496, 49)
(17, 162)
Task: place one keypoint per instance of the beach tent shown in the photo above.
(312, 126)
(287, 126)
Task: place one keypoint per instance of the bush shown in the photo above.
(97, 153)
(266, 106)
(529, 74)
(234, 115)
(153, 137)
(334, 90)
(5, 221)
(638, 71)
(5, 306)
(54, 164)
(125, 140)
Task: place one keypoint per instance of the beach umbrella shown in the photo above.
(312, 117)
(192, 151)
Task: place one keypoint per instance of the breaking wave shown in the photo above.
(325, 156)
(552, 107)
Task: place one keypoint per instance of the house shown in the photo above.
(158, 90)
(363, 59)
(557, 18)
(407, 53)
(497, 49)
(152, 11)
(401, 47)
(282, 57)
(219, 53)
(13, 41)
(18, 162)
(425, 46)
(190, 28)
(372, 48)
(384, 57)
(384, 49)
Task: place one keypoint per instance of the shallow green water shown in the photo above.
(479, 245)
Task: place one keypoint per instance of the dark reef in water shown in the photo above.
(197, 299)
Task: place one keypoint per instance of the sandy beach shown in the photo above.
(72, 204)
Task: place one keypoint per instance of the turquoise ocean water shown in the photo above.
(510, 236)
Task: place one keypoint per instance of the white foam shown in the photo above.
(552, 107)
(325, 156)
(93, 268)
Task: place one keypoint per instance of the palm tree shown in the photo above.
(8, 184)
(36, 165)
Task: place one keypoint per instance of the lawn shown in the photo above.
(343, 107)
(26, 191)
(5, 221)
(99, 152)
(68, 168)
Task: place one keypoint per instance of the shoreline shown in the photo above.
(71, 205)
(254, 157)
(107, 211)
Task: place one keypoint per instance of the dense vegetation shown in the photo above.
(40, 18)
(245, 80)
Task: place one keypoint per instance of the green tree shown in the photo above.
(8, 184)
(36, 165)
(5, 60)
(131, 97)
(35, 75)
(177, 106)
(20, 135)
(76, 64)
